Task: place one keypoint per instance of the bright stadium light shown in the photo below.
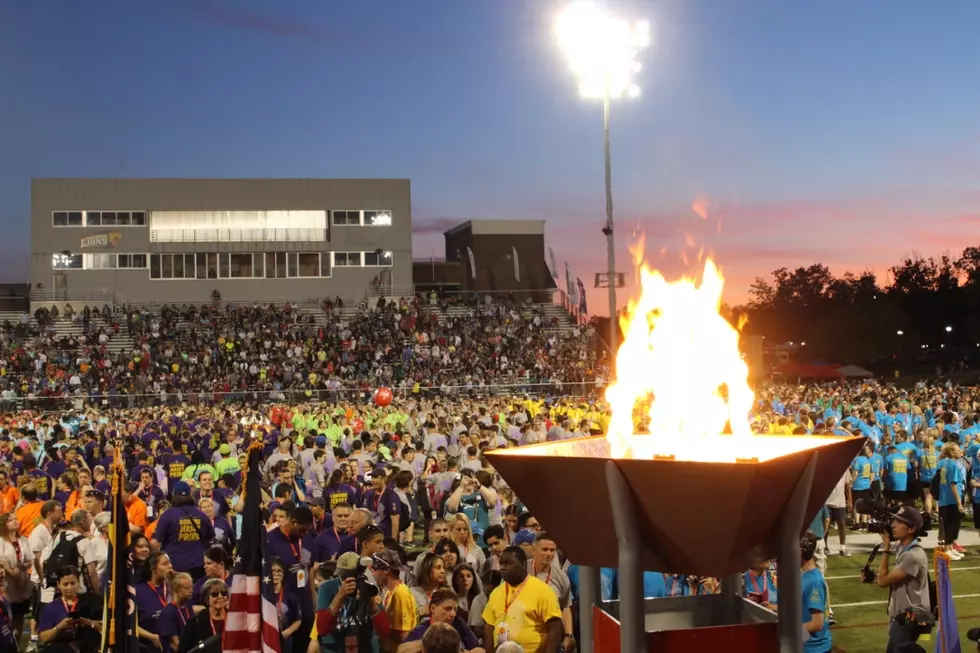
(900, 332)
(948, 329)
(602, 50)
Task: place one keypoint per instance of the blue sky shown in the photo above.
(839, 132)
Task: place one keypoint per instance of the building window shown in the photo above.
(347, 259)
(240, 266)
(207, 266)
(132, 261)
(275, 265)
(172, 266)
(377, 259)
(66, 219)
(137, 218)
(102, 262)
(307, 264)
(67, 261)
(346, 218)
(325, 269)
(377, 218)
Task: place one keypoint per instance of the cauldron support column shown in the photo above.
(788, 559)
(631, 608)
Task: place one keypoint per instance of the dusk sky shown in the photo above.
(839, 132)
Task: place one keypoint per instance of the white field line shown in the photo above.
(857, 574)
(860, 603)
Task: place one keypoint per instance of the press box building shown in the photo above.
(191, 240)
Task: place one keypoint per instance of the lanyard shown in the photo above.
(183, 613)
(68, 609)
(162, 598)
(390, 595)
(214, 629)
(905, 549)
(377, 499)
(296, 553)
(534, 568)
(508, 599)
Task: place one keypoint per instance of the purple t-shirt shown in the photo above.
(177, 533)
(43, 483)
(383, 505)
(329, 543)
(340, 494)
(171, 623)
(468, 639)
(298, 559)
(151, 601)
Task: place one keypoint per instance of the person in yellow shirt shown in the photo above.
(396, 598)
(522, 609)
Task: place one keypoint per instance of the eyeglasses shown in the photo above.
(217, 593)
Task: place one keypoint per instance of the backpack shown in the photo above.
(63, 554)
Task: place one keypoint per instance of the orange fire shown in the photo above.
(679, 375)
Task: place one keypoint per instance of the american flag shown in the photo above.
(252, 623)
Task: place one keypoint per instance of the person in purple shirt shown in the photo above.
(173, 619)
(153, 596)
(43, 482)
(184, 532)
(55, 466)
(329, 544)
(217, 564)
(149, 492)
(292, 544)
(137, 470)
(384, 504)
(174, 465)
(443, 607)
(70, 620)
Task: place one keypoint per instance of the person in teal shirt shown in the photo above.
(952, 484)
(928, 464)
(816, 621)
(896, 476)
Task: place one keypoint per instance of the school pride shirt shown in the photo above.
(177, 533)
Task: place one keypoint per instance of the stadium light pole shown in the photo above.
(601, 51)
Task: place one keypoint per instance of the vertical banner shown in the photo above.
(583, 307)
(553, 263)
(469, 253)
(948, 636)
(570, 285)
(517, 266)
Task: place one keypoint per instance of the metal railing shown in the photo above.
(566, 389)
(102, 296)
(236, 235)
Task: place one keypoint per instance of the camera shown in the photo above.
(882, 516)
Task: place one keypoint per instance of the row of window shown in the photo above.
(98, 218)
(265, 265)
(341, 218)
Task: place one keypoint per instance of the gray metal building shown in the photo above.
(186, 240)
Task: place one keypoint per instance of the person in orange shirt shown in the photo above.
(9, 495)
(135, 507)
(152, 528)
(29, 514)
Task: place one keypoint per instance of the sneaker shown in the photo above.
(958, 548)
(954, 554)
(844, 552)
(32, 647)
(831, 620)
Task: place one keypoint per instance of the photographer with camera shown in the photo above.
(909, 606)
(349, 609)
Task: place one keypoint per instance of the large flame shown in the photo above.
(680, 378)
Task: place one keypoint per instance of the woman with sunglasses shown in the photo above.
(204, 631)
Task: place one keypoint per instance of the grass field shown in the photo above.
(862, 623)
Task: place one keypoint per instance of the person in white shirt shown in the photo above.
(16, 559)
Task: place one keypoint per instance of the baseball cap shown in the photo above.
(348, 564)
(321, 440)
(387, 559)
(316, 501)
(524, 537)
(224, 450)
(182, 489)
(910, 516)
(973, 634)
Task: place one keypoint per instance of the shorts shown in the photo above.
(876, 490)
(21, 608)
(820, 556)
(862, 494)
(896, 495)
(838, 515)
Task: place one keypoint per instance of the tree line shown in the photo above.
(925, 304)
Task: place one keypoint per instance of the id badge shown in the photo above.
(502, 633)
(149, 511)
(301, 578)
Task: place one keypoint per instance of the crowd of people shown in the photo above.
(225, 352)
(387, 526)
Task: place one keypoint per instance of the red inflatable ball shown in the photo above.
(383, 397)
(357, 425)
